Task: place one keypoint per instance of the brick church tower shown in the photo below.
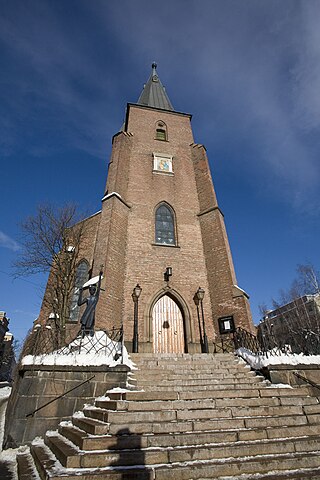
(160, 214)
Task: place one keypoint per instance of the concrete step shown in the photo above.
(26, 467)
(90, 425)
(184, 357)
(201, 373)
(67, 453)
(177, 367)
(185, 386)
(194, 369)
(112, 416)
(191, 367)
(69, 456)
(168, 415)
(179, 471)
(87, 441)
(259, 392)
(93, 426)
(187, 374)
(249, 465)
(125, 405)
(49, 468)
(296, 474)
(235, 382)
(43, 459)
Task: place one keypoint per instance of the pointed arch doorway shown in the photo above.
(167, 326)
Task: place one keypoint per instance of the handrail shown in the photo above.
(307, 380)
(243, 338)
(60, 396)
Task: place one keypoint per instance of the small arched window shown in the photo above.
(165, 225)
(81, 278)
(161, 131)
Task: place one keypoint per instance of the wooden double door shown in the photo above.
(168, 326)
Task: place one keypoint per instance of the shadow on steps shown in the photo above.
(138, 469)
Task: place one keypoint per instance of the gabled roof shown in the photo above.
(154, 94)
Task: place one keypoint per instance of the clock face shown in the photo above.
(155, 78)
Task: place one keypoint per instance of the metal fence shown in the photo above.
(104, 342)
(306, 342)
(45, 339)
(244, 339)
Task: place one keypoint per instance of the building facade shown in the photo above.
(160, 215)
(294, 326)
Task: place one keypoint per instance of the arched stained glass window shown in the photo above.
(81, 278)
(165, 230)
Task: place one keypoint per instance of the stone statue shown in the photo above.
(88, 317)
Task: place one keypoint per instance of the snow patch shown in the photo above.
(279, 385)
(37, 441)
(88, 351)
(5, 393)
(276, 358)
(118, 390)
(4, 397)
(103, 398)
(78, 414)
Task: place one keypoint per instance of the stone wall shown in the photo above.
(286, 374)
(36, 386)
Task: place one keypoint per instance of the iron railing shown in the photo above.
(43, 340)
(269, 345)
(31, 414)
(307, 380)
(103, 342)
(244, 339)
(224, 344)
(240, 338)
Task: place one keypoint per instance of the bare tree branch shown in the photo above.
(295, 320)
(51, 242)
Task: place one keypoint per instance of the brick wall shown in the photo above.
(221, 275)
(124, 232)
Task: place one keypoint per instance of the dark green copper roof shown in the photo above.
(153, 93)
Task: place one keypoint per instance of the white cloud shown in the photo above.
(8, 242)
(250, 72)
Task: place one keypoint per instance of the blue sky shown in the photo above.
(248, 71)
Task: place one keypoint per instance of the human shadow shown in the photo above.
(130, 458)
(5, 471)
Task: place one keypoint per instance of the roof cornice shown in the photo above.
(173, 112)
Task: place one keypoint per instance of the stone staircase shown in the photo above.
(191, 417)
